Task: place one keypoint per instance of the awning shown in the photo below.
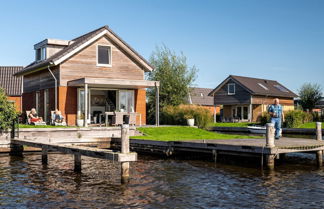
(113, 83)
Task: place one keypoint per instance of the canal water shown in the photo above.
(157, 183)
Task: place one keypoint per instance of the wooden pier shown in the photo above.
(124, 156)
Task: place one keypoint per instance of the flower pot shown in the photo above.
(80, 122)
(191, 122)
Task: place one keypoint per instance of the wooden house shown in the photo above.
(12, 84)
(92, 74)
(245, 98)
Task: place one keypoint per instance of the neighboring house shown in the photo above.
(319, 107)
(245, 98)
(199, 96)
(11, 84)
(95, 73)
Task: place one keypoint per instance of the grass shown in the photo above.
(42, 126)
(241, 124)
(183, 133)
(308, 125)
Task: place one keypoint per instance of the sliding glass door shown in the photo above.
(126, 100)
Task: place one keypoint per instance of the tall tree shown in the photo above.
(175, 77)
(7, 111)
(309, 94)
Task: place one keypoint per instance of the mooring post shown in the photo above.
(44, 156)
(215, 155)
(270, 158)
(125, 149)
(77, 162)
(15, 149)
(319, 154)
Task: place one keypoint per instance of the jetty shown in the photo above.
(123, 156)
(268, 149)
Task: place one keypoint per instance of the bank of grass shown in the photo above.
(309, 125)
(183, 133)
(241, 124)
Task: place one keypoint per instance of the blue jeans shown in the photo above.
(277, 125)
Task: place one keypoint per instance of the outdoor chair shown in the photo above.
(118, 119)
(132, 118)
(33, 123)
(53, 122)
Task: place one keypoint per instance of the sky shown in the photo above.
(280, 40)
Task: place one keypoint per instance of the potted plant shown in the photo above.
(190, 119)
(80, 120)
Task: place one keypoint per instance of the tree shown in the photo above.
(309, 94)
(175, 77)
(7, 111)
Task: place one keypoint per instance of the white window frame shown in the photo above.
(228, 88)
(109, 58)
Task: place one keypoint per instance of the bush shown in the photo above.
(178, 115)
(7, 112)
(295, 118)
(264, 118)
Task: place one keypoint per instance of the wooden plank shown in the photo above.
(86, 151)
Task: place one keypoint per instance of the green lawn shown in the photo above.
(183, 133)
(309, 125)
(242, 124)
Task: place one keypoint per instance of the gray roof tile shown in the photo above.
(10, 83)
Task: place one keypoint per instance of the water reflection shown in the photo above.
(155, 183)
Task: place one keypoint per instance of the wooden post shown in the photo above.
(319, 131)
(319, 154)
(85, 105)
(125, 149)
(215, 156)
(270, 135)
(270, 161)
(215, 114)
(77, 162)
(44, 155)
(157, 105)
(15, 149)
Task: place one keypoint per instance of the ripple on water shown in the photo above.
(155, 183)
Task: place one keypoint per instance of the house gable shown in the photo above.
(84, 64)
(241, 96)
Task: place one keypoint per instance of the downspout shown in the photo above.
(55, 90)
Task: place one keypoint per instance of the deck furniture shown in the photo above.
(53, 122)
(132, 118)
(33, 123)
(118, 118)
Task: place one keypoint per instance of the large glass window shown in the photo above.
(245, 113)
(104, 55)
(80, 102)
(126, 100)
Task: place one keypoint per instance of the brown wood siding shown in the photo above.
(227, 111)
(17, 102)
(241, 96)
(269, 100)
(84, 64)
(40, 80)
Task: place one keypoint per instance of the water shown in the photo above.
(157, 183)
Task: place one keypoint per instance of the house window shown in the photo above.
(231, 88)
(126, 101)
(40, 54)
(263, 86)
(104, 55)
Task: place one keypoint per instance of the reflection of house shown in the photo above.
(95, 73)
(11, 84)
(199, 96)
(245, 98)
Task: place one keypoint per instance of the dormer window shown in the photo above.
(40, 54)
(104, 55)
(231, 88)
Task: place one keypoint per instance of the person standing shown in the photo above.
(277, 116)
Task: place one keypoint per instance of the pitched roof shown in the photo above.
(11, 84)
(78, 44)
(259, 86)
(199, 96)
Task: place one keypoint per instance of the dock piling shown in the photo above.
(270, 161)
(215, 156)
(77, 162)
(319, 154)
(44, 156)
(125, 149)
(270, 135)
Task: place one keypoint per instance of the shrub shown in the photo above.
(7, 112)
(264, 118)
(177, 115)
(295, 118)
